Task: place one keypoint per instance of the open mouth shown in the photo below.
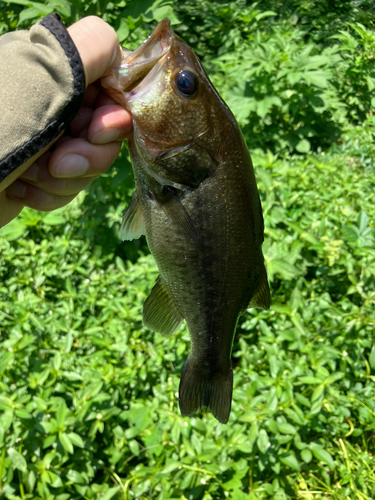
(136, 65)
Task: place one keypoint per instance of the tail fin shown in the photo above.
(198, 389)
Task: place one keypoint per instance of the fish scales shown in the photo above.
(197, 202)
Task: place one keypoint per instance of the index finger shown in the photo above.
(98, 46)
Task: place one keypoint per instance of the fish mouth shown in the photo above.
(136, 65)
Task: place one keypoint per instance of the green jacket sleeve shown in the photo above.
(42, 83)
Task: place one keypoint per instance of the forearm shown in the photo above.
(42, 84)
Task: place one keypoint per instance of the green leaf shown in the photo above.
(66, 442)
(55, 480)
(22, 413)
(57, 361)
(17, 460)
(263, 106)
(306, 455)
(233, 483)
(285, 269)
(350, 233)
(13, 230)
(362, 221)
(6, 403)
(34, 12)
(134, 447)
(287, 429)
(272, 402)
(295, 300)
(317, 393)
(54, 218)
(238, 494)
(61, 415)
(188, 479)
(30, 217)
(317, 78)
(253, 434)
(266, 13)
(76, 439)
(31, 480)
(370, 83)
(296, 415)
(25, 3)
(111, 492)
(371, 358)
(263, 442)
(75, 477)
(163, 11)
(272, 426)
(120, 265)
(6, 360)
(72, 376)
(322, 455)
(63, 7)
(303, 146)
(68, 344)
(316, 406)
(49, 440)
(310, 380)
(123, 30)
(170, 467)
(7, 419)
(290, 461)
(334, 378)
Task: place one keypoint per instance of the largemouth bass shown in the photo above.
(197, 202)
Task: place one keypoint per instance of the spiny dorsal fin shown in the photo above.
(175, 210)
(132, 226)
(261, 297)
(160, 312)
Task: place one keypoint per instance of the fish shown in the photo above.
(197, 202)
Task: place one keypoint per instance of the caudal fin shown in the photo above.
(198, 389)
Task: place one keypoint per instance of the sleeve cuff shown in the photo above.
(22, 154)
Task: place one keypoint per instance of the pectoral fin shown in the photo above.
(177, 213)
(132, 226)
(261, 297)
(160, 312)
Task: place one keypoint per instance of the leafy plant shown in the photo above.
(88, 396)
(281, 92)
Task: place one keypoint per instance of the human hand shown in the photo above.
(93, 142)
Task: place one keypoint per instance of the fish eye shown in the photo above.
(186, 82)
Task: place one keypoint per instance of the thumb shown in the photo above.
(98, 46)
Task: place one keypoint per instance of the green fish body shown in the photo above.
(197, 202)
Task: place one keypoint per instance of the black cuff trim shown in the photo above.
(55, 25)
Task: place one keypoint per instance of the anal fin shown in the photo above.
(160, 312)
(132, 226)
